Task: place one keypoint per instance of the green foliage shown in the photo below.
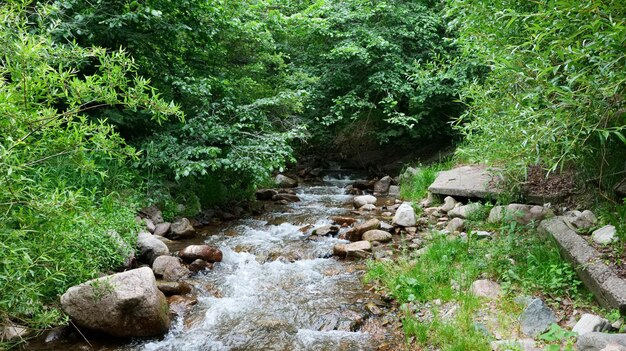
(64, 175)
(559, 339)
(554, 96)
(416, 187)
(516, 257)
(217, 59)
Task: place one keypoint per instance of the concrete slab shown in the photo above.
(467, 181)
(607, 287)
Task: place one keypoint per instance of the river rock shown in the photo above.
(285, 182)
(199, 265)
(182, 228)
(265, 194)
(455, 225)
(405, 216)
(150, 247)
(485, 288)
(591, 323)
(394, 191)
(126, 304)
(162, 229)
(173, 288)
(377, 235)
(467, 181)
(382, 186)
(449, 203)
(153, 213)
(360, 201)
(343, 220)
(356, 249)
(203, 252)
(520, 213)
(595, 341)
(170, 268)
(326, 230)
(361, 228)
(150, 226)
(536, 318)
(368, 207)
(181, 304)
(465, 211)
(605, 235)
(286, 197)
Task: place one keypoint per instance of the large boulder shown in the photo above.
(150, 247)
(405, 216)
(467, 181)
(182, 228)
(126, 304)
(360, 201)
(203, 252)
(285, 182)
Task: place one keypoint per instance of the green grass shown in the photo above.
(516, 257)
(416, 187)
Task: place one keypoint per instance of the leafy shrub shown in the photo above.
(554, 96)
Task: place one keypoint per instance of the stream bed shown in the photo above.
(276, 288)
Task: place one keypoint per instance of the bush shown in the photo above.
(554, 96)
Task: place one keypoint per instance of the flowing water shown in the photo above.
(276, 289)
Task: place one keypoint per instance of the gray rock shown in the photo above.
(455, 225)
(285, 182)
(170, 268)
(362, 200)
(394, 190)
(368, 207)
(536, 318)
(162, 229)
(182, 228)
(482, 234)
(409, 173)
(150, 247)
(485, 288)
(153, 213)
(326, 230)
(359, 249)
(150, 226)
(377, 235)
(203, 252)
(605, 235)
(601, 341)
(591, 323)
(428, 201)
(467, 181)
(580, 221)
(386, 227)
(607, 287)
(405, 216)
(465, 211)
(449, 203)
(126, 304)
(382, 186)
(173, 288)
(496, 214)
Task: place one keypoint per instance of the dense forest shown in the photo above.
(107, 106)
